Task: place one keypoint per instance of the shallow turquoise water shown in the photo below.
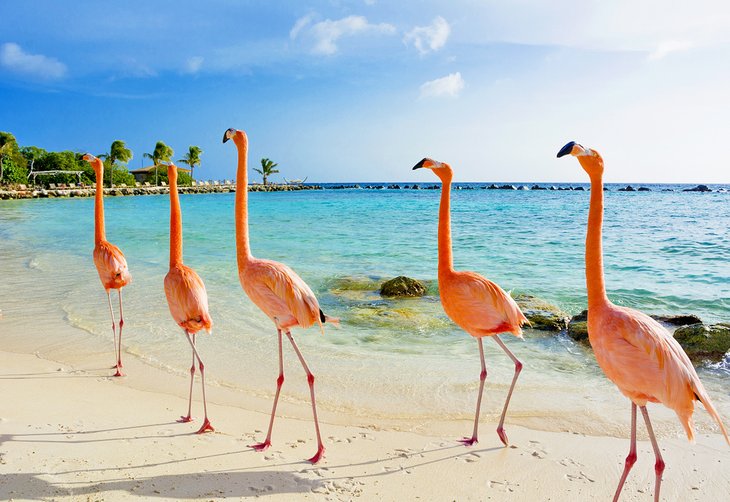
(665, 252)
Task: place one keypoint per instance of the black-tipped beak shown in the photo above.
(225, 135)
(419, 165)
(566, 150)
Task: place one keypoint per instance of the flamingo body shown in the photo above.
(275, 289)
(280, 293)
(187, 299)
(474, 303)
(479, 306)
(646, 363)
(634, 351)
(109, 260)
(111, 266)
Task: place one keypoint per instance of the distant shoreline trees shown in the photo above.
(267, 169)
(192, 158)
(117, 152)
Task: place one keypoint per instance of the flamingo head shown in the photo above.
(441, 169)
(171, 171)
(238, 137)
(590, 160)
(94, 161)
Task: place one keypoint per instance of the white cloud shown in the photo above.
(668, 47)
(429, 38)
(13, 57)
(450, 85)
(193, 64)
(325, 34)
(301, 23)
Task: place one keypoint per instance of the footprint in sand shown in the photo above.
(503, 486)
(471, 457)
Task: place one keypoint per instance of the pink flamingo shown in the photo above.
(476, 304)
(109, 259)
(186, 296)
(275, 288)
(635, 352)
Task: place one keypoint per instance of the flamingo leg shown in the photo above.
(518, 368)
(189, 417)
(482, 377)
(206, 423)
(659, 465)
(119, 340)
(279, 383)
(114, 332)
(631, 457)
(310, 379)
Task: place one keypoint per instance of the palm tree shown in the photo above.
(117, 152)
(192, 158)
(162, 152)
(267, 168)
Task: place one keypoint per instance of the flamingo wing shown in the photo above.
(111, 265)
(187, 299)
(480, 306)
(282, 292)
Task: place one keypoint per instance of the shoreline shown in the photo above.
(32, 192)
(63, 413)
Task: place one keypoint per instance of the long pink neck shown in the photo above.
(242, 245)
(176, 237)
(99, 233)
(594, 250)
(446, 258)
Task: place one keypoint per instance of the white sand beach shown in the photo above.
(73, 433)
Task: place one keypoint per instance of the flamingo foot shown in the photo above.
(184, 420)
(206, 427)
(119, 372)
(502, 435)
(468, 441)
(317, 456)
(261, 446)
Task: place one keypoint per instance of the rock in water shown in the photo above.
(701, 341)
(541, 314)
(402, 286)
(678, 320)
(578, 327)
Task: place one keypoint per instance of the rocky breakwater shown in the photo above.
(46, 193)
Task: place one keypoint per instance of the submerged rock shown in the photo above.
(701, 341)
(698, 188)
(678, 320)
(541, 314)
(402, 286)
(578, 327)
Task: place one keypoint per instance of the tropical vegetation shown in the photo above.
(118, 152)
(192, 158)
(267, 169)
(161, 153)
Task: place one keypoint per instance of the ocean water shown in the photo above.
(665, 252)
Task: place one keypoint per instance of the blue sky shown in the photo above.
(363, 89)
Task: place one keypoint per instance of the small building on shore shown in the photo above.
(148, 173)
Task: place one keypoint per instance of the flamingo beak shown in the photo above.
(567, 149)
(228, 134)
(419, 165)
(428, 164)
